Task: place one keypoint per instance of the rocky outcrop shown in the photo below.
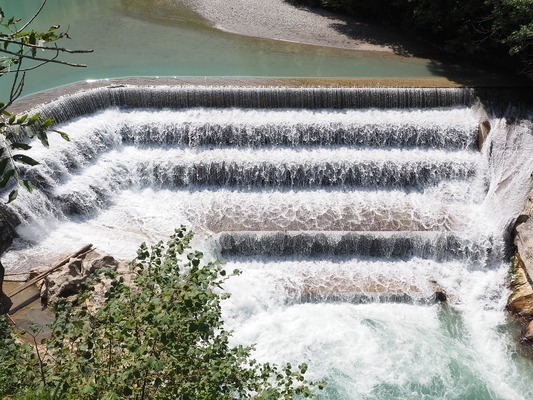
(5, 301)
(524, 236)
(483, 133)
(527, 333)
(66, 282)
(7, 234)
(520, 302)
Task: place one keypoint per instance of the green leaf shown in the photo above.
(20, 146)
(6, 177)
(22, 119)
(24, 159)
(43, 137)
(47, 122)
(12, 196)
(33, 118)
(64, 135)
(28, 185)
(3, 165)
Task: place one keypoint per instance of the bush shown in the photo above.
(498, 31)
(159, 337)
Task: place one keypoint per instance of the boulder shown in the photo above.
(527, 333)
(5, 301)
(67, 281)
(520, 301)
(523, 237)
(7, 233)
(484, 130)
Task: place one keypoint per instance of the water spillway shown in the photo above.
(348, 211)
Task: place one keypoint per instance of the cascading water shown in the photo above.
(346, 210)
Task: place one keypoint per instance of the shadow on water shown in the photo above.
(470, 73)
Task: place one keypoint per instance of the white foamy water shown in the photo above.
(345, 224)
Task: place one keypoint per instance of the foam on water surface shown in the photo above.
(346, 210)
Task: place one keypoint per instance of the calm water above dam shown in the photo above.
(129, 42)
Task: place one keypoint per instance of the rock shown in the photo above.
(8, 222)
(67, 281)
(441, 296)
(5, 301)
(520, 301)
(527, 333)
(484, 130)
(523, 306)
(7, 234)
(523, 239)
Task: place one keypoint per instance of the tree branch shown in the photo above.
(33, 18)
(52, 60)
(35, 46)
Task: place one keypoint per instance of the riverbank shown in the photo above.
(279, 20)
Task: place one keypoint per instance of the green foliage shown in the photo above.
(22, 50)
(496, 30)
(512, 25)
(159, 335)
(18, 363)
(14, 133)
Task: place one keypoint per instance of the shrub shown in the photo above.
(159, 335)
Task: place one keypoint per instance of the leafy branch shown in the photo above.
(158, 334)
(18, 55)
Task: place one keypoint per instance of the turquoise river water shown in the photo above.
(128, 41)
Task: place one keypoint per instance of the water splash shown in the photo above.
(346, 209)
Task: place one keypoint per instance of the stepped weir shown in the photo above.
(349, 211)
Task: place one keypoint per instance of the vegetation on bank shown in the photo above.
(496, 31)
(159, 335)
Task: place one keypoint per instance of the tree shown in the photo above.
(497, 31)
(23, 50)
(158, 334)
(512, 26)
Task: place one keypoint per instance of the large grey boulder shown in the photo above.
(66, 282)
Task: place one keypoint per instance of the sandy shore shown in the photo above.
(277, 19)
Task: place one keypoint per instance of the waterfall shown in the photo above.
(349, 211)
